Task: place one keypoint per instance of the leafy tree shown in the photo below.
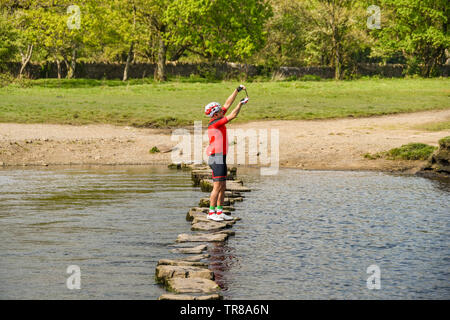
(338, 30)
(8, 36)
(416, 29)
(286, 32)
(213, 29)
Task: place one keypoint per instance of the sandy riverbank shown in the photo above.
(337, 144)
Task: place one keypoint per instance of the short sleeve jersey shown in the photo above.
(217, 134)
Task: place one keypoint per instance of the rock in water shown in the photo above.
(207, 226)
(234, 186)
(202, 237)
(197, 257)
(204, 218)
(164, 273)
(192, 285)
(195, 250)
(439, 163)
(204, 202)
(171, 262)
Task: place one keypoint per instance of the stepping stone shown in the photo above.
(233, 194)
(164, 273)
(192, 214)
(171, 296)
(198, 175)
(232, 185)
(206, 185)
(197, 257)
(182, 263)
(192, 285)
(207, 225)
(202, 211)
(195, 250)
(227, 232)
(204, 218)
(174, 166)
(204, 202)
(202, 237)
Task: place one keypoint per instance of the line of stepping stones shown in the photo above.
(190, 278)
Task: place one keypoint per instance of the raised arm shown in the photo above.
(236, 110)
(231, 98)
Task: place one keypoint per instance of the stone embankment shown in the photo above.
(439, 163)
(191, 277)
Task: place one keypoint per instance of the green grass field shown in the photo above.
(180, 102)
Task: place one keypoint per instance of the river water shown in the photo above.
(303, 234)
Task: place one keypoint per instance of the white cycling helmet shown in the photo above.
(212, 108)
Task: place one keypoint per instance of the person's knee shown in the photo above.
(217, 187)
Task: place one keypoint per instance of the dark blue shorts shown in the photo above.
(218, 163)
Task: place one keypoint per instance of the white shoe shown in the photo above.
(214, 217)
(225, 217)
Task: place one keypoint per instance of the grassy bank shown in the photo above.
(180, 102)
(411, 151)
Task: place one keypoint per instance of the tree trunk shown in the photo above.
(73, 65)
(66, 62)
(160, 74)
(127, 65)
(58, 65)
(25, 59)
(177, 55)
(131, 53)
(335, 40)
(337, 62)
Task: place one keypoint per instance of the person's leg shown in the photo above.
(218, 166)
(221, 194)
(220, 201)
(214, 197)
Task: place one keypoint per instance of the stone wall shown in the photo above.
(213, 71)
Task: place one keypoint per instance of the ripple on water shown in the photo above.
(304, 234)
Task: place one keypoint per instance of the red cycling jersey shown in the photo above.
(217, 133)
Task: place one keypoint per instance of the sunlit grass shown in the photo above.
(143, 102)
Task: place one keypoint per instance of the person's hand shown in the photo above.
(240, 88)
(244, 101)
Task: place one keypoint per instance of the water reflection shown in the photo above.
(220, 261)
(113, 222)
(303, 234)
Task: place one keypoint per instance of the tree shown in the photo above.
(338, 25)
(286, 35)
(8, 43)
(416, 29)
(217, 29)
(49, 22)
(213, 29)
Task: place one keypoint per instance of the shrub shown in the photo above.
(411, 151)
(154, 150)
(310, 77)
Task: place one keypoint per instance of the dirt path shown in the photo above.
(325, 144)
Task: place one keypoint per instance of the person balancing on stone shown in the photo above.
(217, 151)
